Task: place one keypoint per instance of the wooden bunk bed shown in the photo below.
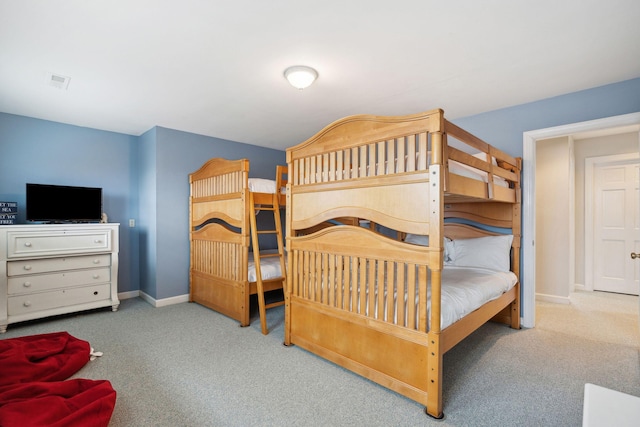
(347, 286)
(227, 264)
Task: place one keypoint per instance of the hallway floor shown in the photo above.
(601, 316)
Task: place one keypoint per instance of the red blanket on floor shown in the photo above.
(70, 403)
(47, 357)
(32, 390)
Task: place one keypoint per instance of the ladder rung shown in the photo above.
(269, 255)
(267, 231)
(273, 279)
(274, 304)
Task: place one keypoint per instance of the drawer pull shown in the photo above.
(27, 284)
(96, 261)
(96, 276)
(27, 267)
(27, 303)
(95, 292)
(27, 244)
(97, 241)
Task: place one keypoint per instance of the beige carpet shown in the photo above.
(601, 316)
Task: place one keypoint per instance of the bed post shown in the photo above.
(434, 358)
(291, 173)
(191, 228)
(246, 241)
(436, 236)
(516, 229)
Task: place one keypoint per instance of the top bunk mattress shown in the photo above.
(262, 185)
(461, 169)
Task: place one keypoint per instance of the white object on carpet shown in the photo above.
(604, 407)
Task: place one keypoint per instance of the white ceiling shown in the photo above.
(216, 67)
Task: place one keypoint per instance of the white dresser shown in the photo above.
(46, 270)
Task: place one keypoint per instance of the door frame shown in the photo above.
(589, 217)
(530, 138)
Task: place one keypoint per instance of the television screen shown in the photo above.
(59, 203)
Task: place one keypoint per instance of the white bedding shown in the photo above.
(261, 185)
(473, 173)
(269, 267)
(464, 289)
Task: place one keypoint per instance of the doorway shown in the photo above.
(628, 123)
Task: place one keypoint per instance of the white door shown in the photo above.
(616, 227)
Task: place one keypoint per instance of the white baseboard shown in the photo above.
(165, 301)
(127, 295)
(553, 298)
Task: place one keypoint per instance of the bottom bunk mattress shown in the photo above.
(465, 289)
(269, 266)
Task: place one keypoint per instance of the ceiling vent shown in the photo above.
(58, 81)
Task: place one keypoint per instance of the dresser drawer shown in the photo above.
(35, 266)
(44, 282)
(23, 304)
(23, 244)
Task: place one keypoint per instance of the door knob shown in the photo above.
(634, 255)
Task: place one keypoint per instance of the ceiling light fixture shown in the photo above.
(300, 76)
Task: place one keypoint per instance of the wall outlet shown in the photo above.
(132, 223)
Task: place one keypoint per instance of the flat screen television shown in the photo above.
(61, 203)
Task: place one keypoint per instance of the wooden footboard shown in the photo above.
(391, 356)
(343, 305)
(405, 361)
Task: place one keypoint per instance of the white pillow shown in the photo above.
(422, 240)
(491, 252)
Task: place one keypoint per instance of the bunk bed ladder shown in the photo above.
(274, 207)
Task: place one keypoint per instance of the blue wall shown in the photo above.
(146, 219)
(144, 178)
